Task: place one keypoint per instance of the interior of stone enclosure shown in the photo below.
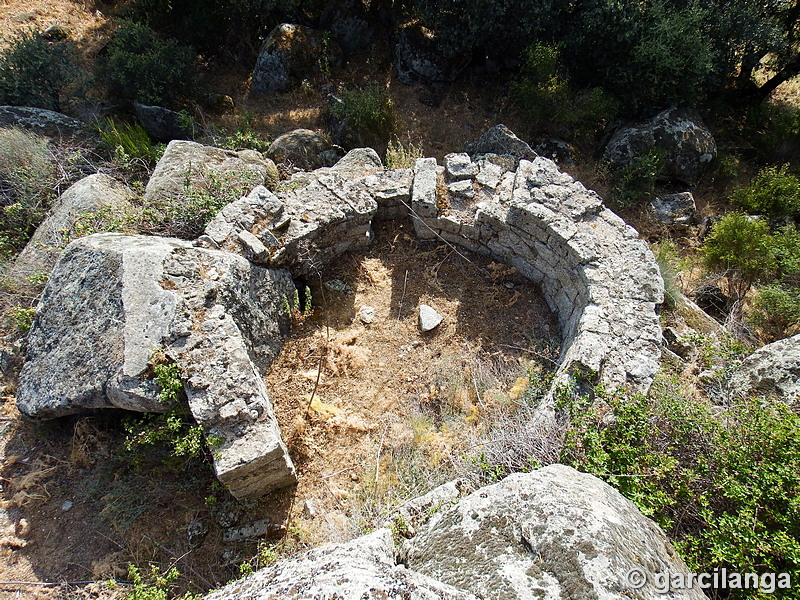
(389, 396)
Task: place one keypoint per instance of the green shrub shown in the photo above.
(129, 142)
(37, 72)
(234, 26)
(776, 308)
(636, 181)
(544, 93)
(27, 179)
(205, 193)
(785, 245)
(142, 67)
(725, 490)
(155, 585)
(366, 116)
(740, 248)
(774, 192)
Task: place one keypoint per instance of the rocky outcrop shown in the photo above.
(350, 24)
(113, 300)
(187, 166)
(676, 210)
(365, 568)
(97, 196)
(772, 370)
(500, 140)
(678, 134)
(303, 149)
(39, 120)
(552, 533)
(289, 54)
(162, 124)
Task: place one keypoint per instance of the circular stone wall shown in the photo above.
(602, 282)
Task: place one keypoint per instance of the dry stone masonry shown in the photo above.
(216, 306)
(598, 277)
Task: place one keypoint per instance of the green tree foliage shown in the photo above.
(37, 72)
(141, 66)
(233, 25)
(365, 116)
(649, 54)
(775, 191)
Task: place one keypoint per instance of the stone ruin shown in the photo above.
(216, 306)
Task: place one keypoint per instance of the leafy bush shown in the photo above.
(724, 489)
(785, 245)
(365, 116)
(174, 429)
(27, 176)
(636, 181)
(37, 72)
(142, 67)
(774, 192)
(740, 248)
(154, 585)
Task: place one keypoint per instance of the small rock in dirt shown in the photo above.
(366, 314)
(253, 530)
(197, 531)
(428, 318)
(309, 508)
(337, 285)
(23, 528)
(67, 505)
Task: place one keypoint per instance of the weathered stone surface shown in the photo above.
(364, 569)
(41, 121)
(113, 300)
(418, 59)
(458, 166)
(502, 141)
(552, 533)
(429, 319)
(303, 149)
(772, 370)
(162, 124)
(687, 144)
(350, 23)
(312, 220)
(289, 54)
(189, 163)
(676, 210)
(601, 281)
(92, 195)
